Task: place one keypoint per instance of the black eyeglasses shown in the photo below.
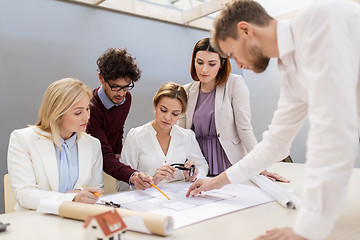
(119, 88)
(181, 166)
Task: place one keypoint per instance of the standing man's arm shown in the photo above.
(240, 101)
(275, 145)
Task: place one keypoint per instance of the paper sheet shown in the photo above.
(281, 195)
(186, 211)
(150, 212)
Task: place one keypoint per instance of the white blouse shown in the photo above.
(143, 152)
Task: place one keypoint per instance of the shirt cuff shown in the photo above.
(313, 226)
(130, 183)
(235, 174)
(69, 197)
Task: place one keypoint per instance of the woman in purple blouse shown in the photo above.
(219, 110)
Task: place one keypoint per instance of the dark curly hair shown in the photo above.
(117, 63)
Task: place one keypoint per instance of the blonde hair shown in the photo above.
(59, 97)
(172, 90)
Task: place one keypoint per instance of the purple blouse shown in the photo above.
(205, 131)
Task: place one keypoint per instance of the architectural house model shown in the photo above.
(105, 226)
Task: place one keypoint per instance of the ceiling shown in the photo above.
(192, 13)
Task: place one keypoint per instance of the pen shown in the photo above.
(111, 204)
(160, 191)
(95, 193)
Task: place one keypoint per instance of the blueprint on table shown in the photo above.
(189, 210)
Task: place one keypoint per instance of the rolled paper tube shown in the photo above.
(281, 195)
(157, 224)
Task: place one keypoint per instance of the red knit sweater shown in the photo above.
(107, 125)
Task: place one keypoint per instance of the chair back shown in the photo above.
(109, 184)
(9, 197)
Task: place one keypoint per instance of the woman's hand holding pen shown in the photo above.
(164, 173)
(87, 195)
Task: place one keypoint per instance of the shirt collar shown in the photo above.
(105, 99)
(153, 131)
(285, 43)
(70, 141)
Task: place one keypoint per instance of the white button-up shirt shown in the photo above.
(143, 152)
(319, 56)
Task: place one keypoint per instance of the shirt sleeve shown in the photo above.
(276, 142)
(130, 157)
(130, 152)
(111, 165)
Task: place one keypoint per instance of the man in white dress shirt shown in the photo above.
(319, 55)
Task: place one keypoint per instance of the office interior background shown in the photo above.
(42, 41)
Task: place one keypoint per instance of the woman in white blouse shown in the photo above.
(153, 147)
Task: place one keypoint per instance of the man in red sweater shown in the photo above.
(109, 108)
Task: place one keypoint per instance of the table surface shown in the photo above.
(244, 224)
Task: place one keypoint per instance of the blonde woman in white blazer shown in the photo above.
(221, 105)
(54, 158)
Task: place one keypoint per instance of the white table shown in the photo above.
(244, 224)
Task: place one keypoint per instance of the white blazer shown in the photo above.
(232, 116)
(33, 167)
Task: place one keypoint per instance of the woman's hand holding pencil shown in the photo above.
(88, 195)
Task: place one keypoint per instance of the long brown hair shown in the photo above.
(225, 69)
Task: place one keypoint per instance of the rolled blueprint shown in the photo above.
(281, 195)
(154, 223)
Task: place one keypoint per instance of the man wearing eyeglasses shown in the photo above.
(109, 109)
